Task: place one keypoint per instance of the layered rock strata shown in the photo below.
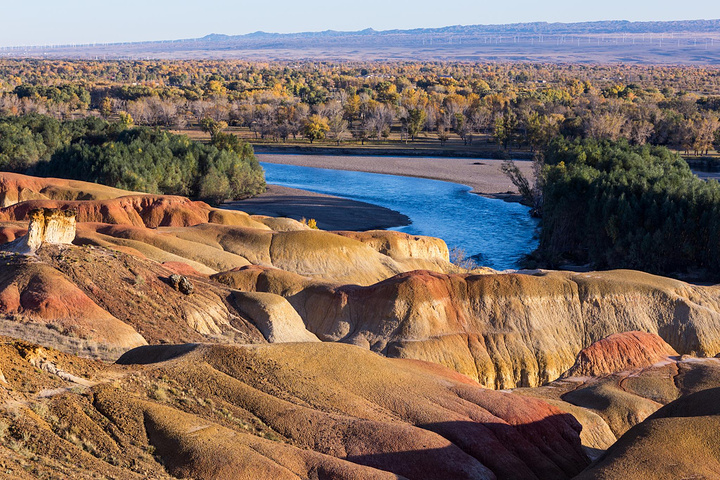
(505, 330)
(47, 226)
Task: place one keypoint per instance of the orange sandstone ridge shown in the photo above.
(505, 330)
(390, 292)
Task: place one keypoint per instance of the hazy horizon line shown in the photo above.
(367, 29)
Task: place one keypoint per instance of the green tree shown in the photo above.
(140, 159)
(212, 126)
(614, 205)
(415, 121)
(504, 128)
(106, 107)
(126, 120)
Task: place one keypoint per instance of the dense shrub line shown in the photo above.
(620, 206)
(141, 158)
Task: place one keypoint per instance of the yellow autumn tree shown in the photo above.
(315, 128)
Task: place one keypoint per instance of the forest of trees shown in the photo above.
(511, 105)
(614, 205)
(133, 158)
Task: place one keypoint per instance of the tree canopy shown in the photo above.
(140, 158)
(621, 206)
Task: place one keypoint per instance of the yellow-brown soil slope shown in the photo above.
(213, 248)
(679, 441)
(82, 299)
(505, 330)
(308, 410)
(610, 397)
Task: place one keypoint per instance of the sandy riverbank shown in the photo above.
(331, 213)
(335, 213)
(482, 175)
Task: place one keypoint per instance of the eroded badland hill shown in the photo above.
(149, 336)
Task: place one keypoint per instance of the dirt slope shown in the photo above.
(609, 398)
(308, 410)
(76, 297)
(681, 440)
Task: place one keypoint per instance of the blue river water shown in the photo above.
(493, 232)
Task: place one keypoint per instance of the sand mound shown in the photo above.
(274, 317)
(609, 405)
(16, 188)
(212, 248)
(139, 210)
(191, 447)
(37, 293)
(280, 224)
(681, 440)
(400, 245)
(20, 194)
(10, 231)
(113, 299)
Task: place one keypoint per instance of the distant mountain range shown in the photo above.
(677, 42)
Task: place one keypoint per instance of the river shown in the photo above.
(495, 233)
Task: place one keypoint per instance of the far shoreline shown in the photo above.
(483, 176)
(387, 151)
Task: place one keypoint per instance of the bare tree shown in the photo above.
(606, 126)
(704, 130)
(299, 116)
(379, 120)
(641, 131)
(10, 105)
(338, 128)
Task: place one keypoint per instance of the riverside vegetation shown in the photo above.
(615, 205)
(134, 158)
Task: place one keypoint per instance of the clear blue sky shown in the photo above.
(41, 22)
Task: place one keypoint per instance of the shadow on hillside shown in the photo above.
(155, 354)
(539, 450)
(331, 213)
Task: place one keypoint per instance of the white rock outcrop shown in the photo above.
(47, 225)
